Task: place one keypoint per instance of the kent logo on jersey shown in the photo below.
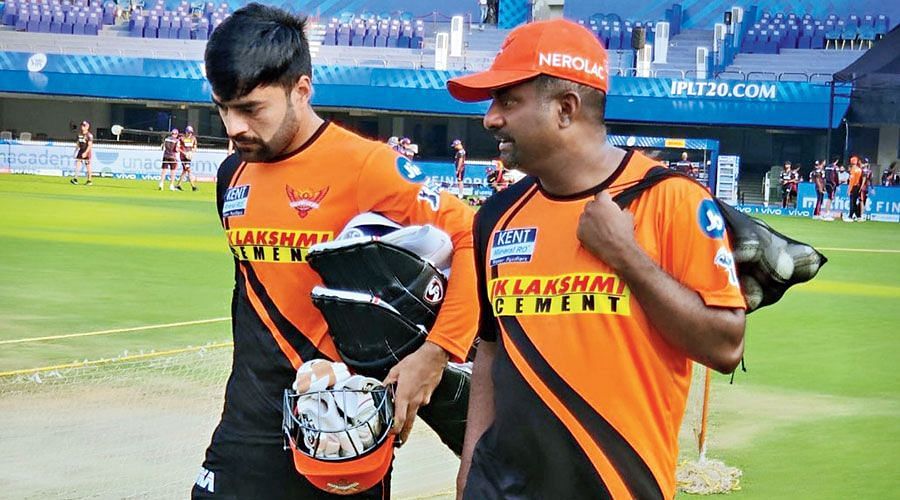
(236, 201)
(513, 245)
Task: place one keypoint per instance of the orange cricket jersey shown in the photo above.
(855, 177)
(581, 378)
(272, 213)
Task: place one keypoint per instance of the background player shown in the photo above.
(186, 147)
(459, 161)
(170, 159)
(84, 149)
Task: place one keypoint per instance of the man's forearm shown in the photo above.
(481, 407)
(709, 335)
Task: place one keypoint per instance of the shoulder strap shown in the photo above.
(653, 177)
(223, 179)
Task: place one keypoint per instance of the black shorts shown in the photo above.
(81, 156)
(240, 471)
(460, 174)
(170, 163)
(185, 161)
(829, 191)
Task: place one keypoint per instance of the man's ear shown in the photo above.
(569, 106)
(302, 91)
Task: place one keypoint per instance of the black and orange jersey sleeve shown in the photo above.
(385, 190)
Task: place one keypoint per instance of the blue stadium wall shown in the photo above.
(637, 100)
(703, 13)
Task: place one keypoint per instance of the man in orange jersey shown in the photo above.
(854, 187)
(590, 314)
(277, 197)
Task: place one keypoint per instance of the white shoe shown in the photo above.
(828, 218)
(171, 188)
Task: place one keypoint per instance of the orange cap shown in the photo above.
(348, 476)
(557, 47)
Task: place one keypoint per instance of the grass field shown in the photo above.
(816, 416)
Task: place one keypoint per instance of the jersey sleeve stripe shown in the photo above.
(632, 469)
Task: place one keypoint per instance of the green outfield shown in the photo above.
(817, 415)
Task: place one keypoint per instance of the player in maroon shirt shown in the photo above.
(84, 149)
(170, 158)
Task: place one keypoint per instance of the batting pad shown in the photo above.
(412, 285)
(370, 335)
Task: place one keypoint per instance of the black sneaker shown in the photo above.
(89, 183)
(194, 188)
(73, 180)
(179, 188)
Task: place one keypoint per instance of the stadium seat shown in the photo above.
(418, 38)
(818, 39)
(174, 27)
(357, 33)
(44, 24)
(56, 22)
(867, 36)
(10, 14)
(381, 33)
(882, 25)
(832, 36)
(849, 33)
(330, 34)
(604, 35)
(615, 38)
(344, 34)
(34, 20)
(393, 34)
(403, 41)
(790, 39)
(201, 31)
(371, 33)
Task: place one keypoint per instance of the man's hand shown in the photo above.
(416, 377)
(606, 230)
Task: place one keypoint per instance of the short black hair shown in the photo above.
(257, 45)
(594, 100)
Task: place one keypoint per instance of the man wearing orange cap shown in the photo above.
(599, 310)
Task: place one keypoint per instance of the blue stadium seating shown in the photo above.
(805, 32)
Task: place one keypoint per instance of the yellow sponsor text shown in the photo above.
(274, 245)
(565, 294)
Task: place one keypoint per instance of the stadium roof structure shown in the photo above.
(876, 83)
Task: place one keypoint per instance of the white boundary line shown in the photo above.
(864, 250)
(115, 330)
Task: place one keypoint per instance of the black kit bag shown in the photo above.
(767, 262)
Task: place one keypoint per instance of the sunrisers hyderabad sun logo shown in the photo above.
(305, 200)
